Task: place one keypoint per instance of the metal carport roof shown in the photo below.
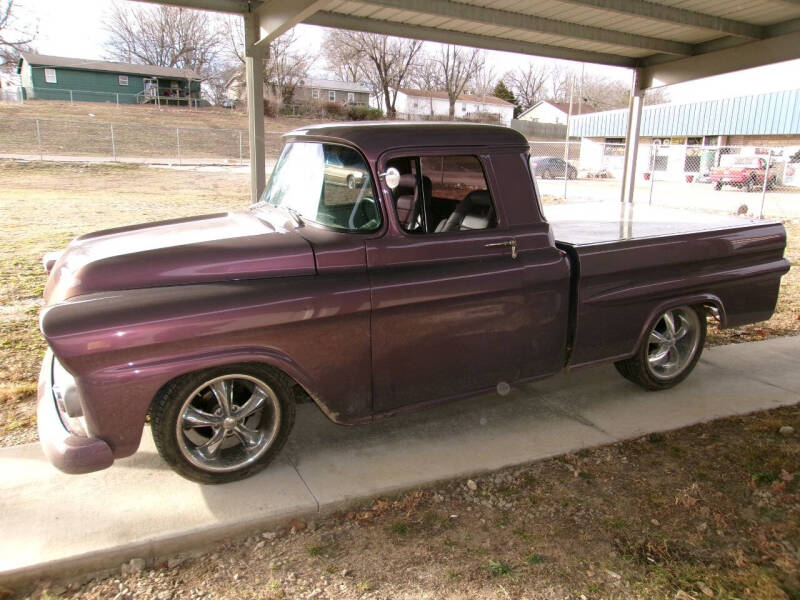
(665, 41)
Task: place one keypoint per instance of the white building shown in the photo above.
(545, 111)
(421, 104)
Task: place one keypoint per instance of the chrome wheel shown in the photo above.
(673, 343)
(228, 423)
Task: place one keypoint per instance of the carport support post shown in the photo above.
(254, 66)
(632, 139)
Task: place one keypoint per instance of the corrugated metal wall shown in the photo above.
(776, 113)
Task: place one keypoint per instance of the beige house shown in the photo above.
(326, 90)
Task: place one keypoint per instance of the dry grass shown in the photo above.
(139, 131)
(143, 115)
(44, 205)
(710, 511)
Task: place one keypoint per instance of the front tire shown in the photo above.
(670, 350)
(223, 424)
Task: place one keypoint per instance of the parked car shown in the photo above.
(745, 172)
(551, 167)
(435, 278)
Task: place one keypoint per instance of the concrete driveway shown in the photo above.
(58, 525)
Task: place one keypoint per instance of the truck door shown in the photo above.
(461, 301)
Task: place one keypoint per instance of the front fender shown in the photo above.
(123, 348)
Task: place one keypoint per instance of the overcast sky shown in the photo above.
(75, 29)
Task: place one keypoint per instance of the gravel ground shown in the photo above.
(710, 511)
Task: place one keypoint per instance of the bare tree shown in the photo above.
(14, 37)
(457, 69)
(164, 36)
(528, 83)
(346, 62)
(285, 65)
(386, 63)
(484, 81)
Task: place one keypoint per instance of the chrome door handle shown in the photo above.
(510, 244)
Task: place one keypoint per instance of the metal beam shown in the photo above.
(728, 60)
(278, 16)
(448, 36)
(226, 6)
(676, 16)
(525, 22)
(632, 138)
(254, 72)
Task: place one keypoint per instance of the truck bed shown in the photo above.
(589, 223)
(626, 272)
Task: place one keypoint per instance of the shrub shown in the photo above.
(270, 109)
(364, 113)
(333, 109)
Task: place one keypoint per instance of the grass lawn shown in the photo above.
(143, 115)
(44, 206)
(139, 131)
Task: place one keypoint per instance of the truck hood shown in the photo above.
(203, 249)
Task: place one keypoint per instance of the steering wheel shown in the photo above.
(359, 204)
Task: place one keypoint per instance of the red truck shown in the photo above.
(746, 172)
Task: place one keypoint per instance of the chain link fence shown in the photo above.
(57, 140)
(750, 180)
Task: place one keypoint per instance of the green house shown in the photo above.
(83, 80)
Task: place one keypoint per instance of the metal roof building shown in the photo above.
(663, 41)
(775, 113)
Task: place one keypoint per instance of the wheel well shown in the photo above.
(299, 393)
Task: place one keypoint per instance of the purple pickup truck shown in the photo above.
(387, 267)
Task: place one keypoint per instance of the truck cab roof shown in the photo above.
(374, 138)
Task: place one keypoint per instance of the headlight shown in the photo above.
(68, 400)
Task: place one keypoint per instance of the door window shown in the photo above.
(442, 193)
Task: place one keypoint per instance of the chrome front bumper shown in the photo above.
(66, 451)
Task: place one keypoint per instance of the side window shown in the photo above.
(347, 200)
(50, 76)
(443, 193)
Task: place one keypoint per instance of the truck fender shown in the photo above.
(692, 300)
(164, 370)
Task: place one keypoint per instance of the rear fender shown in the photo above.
(691, 300)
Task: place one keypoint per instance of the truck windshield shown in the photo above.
(326, 184)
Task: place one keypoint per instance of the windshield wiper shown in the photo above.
(295, 216)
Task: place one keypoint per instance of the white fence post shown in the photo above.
(764, 189)
(70, 97)
(39, 140)
(113, 144)
(117, 99)
(240, 149)
(178, 138)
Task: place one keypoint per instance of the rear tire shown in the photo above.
(669, 351)
(718, 186)
(748, 186)
(225, 423)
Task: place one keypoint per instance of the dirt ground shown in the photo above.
(710, 511)
(44, 205)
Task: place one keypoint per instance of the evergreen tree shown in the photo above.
(502, 92)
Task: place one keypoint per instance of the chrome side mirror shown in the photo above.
(391, 177)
